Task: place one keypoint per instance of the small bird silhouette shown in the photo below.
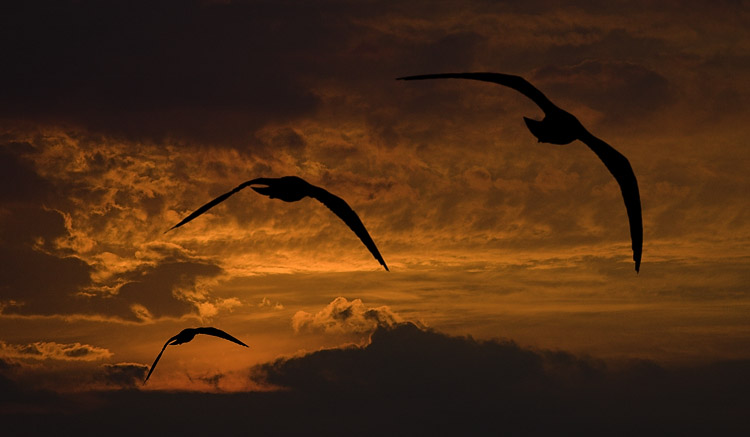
(187, 335)
(292, 189)
(561, 127)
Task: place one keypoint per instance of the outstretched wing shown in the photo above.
(216, 201)
(516, 82)
(158, 357)
(347, 214)
(620, 168)
(219, 333)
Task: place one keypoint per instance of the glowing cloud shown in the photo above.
(49, 350)
(344, 316)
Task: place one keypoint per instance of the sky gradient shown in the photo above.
(117, 119)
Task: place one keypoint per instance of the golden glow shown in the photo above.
(487, 233)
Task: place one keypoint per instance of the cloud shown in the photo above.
(266, 303)
(44, 284)
(343, 316)
(37, 275)
(224, 73)
(124, 374)
(19, 183)
(44, 350)
(167, 75)
(414, 381)
(213, 379)
(162, 288)
(441, 383)
(618, 90)
(49, 269)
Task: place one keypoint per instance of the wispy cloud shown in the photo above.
(44, 350)
(267, 303)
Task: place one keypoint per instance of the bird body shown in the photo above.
(558, 127)
(292, 189)
(561, 127)
(189, 334)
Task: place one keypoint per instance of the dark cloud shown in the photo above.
(217, 72)
(39, 282)
(445, 53)
(211, 380)
(156, 69)
(19, 183)
(8, 388)
(617, 89)
(441, 383)
(18, 398)
(43, 276)
(34, 272)
(155, 287)
(398, 356)
(124, 374)
(40, 278)
(415, 382)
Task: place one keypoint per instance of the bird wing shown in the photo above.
(516, 82)
(219, 333)
(216, 201)
(158, 357)
(620, 168)
(347, 214)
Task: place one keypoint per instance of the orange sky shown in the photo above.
(116, 121)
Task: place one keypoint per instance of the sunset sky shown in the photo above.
(119, 118)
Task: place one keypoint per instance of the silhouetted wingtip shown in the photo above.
(175, 226)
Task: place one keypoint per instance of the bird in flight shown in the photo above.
(561, 127)
(292, 189)
(187, 335)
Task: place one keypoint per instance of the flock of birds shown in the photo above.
(557, 127)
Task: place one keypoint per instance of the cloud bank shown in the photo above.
(411, 381)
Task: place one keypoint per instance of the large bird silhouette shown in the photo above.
(561, 127)
(187, 335)
(292, 189)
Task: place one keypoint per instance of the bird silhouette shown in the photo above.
(187, 335)
(292, 189)
(561, 127)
